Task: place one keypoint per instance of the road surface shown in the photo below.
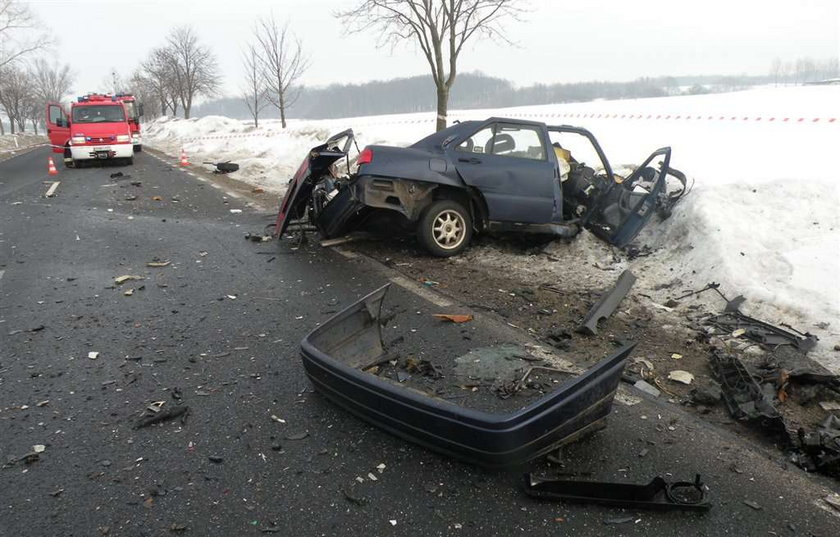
(218, 329)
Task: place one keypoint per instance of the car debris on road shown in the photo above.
(659, 494)
(475, 176)
(340, 355)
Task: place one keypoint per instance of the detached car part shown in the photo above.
(743, 396)
(820, 449)
(336, 353)
(761, 332)
(497, 174)
(607, 303)
(658, 494)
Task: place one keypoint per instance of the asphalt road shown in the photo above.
(218, 330)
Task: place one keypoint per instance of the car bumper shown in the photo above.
(93, 152)
(353, 337)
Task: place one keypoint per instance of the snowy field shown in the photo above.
(762, 219)
(10, 142)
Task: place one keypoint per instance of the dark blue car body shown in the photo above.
(504, 173)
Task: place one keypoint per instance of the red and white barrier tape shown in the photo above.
(695, 117)
(580, 115)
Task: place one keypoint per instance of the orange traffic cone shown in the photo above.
(51, 167)
(184, 161)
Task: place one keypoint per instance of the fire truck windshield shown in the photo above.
(107, 113)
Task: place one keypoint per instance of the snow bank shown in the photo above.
(9, 142)
(762, 218)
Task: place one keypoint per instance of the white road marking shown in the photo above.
(405, 283)
(1, 274)
(421, 291)
(214, 185)
(232, 194)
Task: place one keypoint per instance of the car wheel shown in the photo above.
(138, 148)
(445, 228)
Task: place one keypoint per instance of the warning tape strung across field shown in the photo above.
(582, 115)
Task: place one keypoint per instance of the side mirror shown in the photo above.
(59, 122)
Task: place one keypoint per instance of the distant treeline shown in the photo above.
(471, 90)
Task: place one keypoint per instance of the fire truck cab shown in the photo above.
(97, 128)
(134, 110)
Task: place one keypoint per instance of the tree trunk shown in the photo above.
(12, 125)
(2, 128)
(282, 111)
(34, 126)
(442, 107)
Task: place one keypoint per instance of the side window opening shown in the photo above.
(519, 141)
(56, 114)
(478, 142)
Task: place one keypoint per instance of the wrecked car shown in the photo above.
(340, 357)
(492, 175)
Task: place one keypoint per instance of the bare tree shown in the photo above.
(50, 82)
(158, 74)
(776, 70)
(440, 27)
(253, 91)
(17, 37)
(281, 63)
(14, 91)
(144, 91)
(193, 66)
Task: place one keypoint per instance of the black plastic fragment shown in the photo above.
(658, 494)
(607, 303)
(820, 448)
(761, 332)
(741, 393)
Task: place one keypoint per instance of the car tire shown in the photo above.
(138, 148)
(445, 229)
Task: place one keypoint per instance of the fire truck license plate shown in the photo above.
(99, 148)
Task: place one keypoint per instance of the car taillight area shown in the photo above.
(365, 157)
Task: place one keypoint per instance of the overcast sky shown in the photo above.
(557, 40)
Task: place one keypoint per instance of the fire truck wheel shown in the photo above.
(129, 161)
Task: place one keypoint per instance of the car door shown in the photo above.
(509, 164)
(58, 127)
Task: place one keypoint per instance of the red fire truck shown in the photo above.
(97, 128)
(134, 110)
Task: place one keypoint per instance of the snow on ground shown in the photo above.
(10, 142)
(762, 219)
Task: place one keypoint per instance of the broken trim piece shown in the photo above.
(658, 494)
(761, 332)
(742, 394)
(334, 353)
(607, 304)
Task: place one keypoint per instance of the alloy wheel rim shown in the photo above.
(448, 229)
